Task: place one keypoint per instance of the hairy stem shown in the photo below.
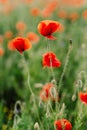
(65, 66)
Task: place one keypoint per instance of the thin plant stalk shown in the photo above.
(51, 69)
(65, 66)
(29, 85)
(28, 75)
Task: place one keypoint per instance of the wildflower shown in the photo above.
(74, 16)
(8, 34)
(21, 44)
(48, 92)
(50, 60)
(11, 46)
(74, 3)
(36, 126)
(49, 8)
(84, 14)
(1, 51)
(83, 97)
(35, 11)
(48, 27)
(62, 14)
(33, 37)
(10, 115)
(7, 9)
(1, 39)
(4, 127)
(20, 26)
(63, 124)
(5, 109)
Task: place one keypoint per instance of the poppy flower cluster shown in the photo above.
(83, 97)
(63, 124)
(21, 44)
(48, 27)
(72, 3)
(50, 60)
(48, 92)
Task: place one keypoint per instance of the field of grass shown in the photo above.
(26, 100)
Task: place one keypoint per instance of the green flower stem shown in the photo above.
(28, 74)
(65, 66)
(29, 85)
(51, 68)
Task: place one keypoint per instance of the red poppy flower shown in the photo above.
(33, 37)
(62, 14)
(73, 16)
(83, 97)
(8, 34)
(45, 93)
(49, 8)
(50, 60)
(21, 44)
(84, 14)
(48, 92)
(11, 46)
(21, 26)
(63, 124)
(35, 11)
(48, 27)
(1, 52)
(72, 3)
(1, 39)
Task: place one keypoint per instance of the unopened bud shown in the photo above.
(80, 83)
(70, 44)
(53, 92)
(62, 109)
(53, 81)
(73, 97)
(70, 41)
(38, 85)
(17, 108)
(47, 114)
(36, 126)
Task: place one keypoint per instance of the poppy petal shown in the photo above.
(83, 97)
(51, 37)
(27, 44)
